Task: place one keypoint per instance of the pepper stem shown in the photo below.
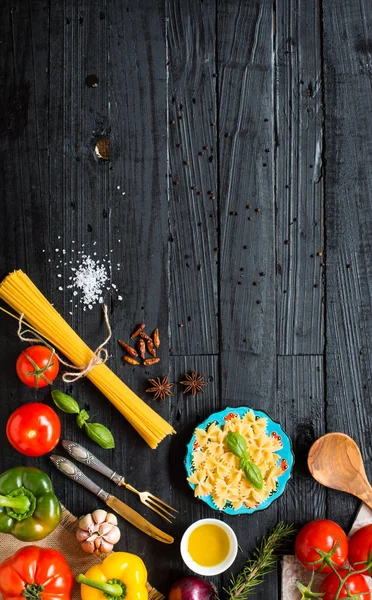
(20, 504)
(114, 590)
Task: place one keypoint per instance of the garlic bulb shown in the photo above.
(97, 532)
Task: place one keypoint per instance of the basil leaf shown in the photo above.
(82, 417)
(65, 402)
(254, 475)
(100, 434)
(237, 444)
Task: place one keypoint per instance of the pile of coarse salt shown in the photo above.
(90, 276)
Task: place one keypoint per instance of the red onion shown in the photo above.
(193, 588)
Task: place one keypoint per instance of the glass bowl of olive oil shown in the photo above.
(209, 547)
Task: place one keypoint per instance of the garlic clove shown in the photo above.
(113, 536)
(99, 515)
(111, 518)
(106, 547)
(82, 535)
(86, 522)
(88, 547)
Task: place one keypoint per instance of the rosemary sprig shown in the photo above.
(262, 562)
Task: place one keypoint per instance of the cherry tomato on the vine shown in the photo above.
(323, 535)
(354, 585)
(37, 366)
(360, 548)
(33, 429)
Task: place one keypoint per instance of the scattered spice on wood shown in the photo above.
(316, 285)
(137, 331)
(186, 162)
(319, 254)
(233, 213)
(212, 197)
(193, 187)
(257, 210)
(130, 360)
(142, 348)
(262, 274)
(194, 383)
(172, 122)
(131, 351)
(249, 206)
(250, 218)
(258, 302)
(201, 153)
(348, 266)
(161, 388)
(151, 361)
(156, 338)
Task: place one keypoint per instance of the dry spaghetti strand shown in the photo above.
(24, 297)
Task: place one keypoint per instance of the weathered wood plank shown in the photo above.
(247, 226)
(301, 409)
(348, 185)
(192, 177)
(299, 182)
(187, 413)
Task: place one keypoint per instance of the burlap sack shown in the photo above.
(63, 539)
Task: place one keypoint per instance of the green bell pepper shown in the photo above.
(29, 509)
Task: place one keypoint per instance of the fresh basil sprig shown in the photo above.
(95, 431)
(237, 445)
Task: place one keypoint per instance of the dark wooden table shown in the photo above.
(240, 132)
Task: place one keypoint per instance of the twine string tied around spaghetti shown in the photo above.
(99, 356)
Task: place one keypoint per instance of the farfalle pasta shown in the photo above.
(216, 470)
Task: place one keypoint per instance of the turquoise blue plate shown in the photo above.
(286, 457)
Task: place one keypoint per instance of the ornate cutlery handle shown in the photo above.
(73, 472)
(86, 457)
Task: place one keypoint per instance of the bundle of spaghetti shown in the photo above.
(25, 298)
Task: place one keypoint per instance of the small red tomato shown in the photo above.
(37, 366)
(33, 429)
(354, 585)
(360, 548)
(322, 535)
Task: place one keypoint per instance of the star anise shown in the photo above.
(161, 388)
(194, 383)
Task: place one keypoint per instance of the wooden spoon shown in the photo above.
(336, 462)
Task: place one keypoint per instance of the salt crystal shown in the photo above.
(60, 288)
(70, 312)
(120, 297)
(57, 250)
(123, 193)
(44, 250)
(118, 187)
(59, 275)
(114, 286)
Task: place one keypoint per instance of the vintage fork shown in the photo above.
(87, 458)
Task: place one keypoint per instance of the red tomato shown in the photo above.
(360, 548)
(36, 366)
(322, 535)
(33, 429)
(354, 585)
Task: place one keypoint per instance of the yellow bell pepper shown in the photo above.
(121, 576)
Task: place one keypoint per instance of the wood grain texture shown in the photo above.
(192, 177)
(348, 187)
(247, 225)
(301, 409)
(299, 181)
(186, 413)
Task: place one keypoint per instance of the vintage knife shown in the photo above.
(133, 517)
